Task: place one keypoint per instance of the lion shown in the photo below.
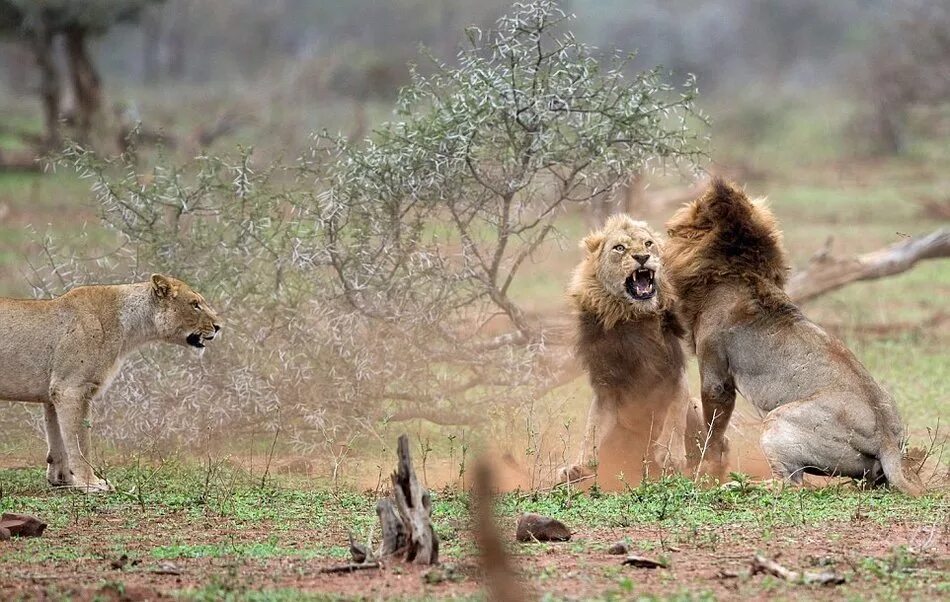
(826, 415)
(64, 352)
(641, 418)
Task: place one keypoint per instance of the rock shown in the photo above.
(22, 525)
(166, 568)
(120, 562)
(534, 527)
(4, 534)
(618, 549)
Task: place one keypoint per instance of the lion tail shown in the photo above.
(898, 475)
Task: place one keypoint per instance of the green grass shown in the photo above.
(177, 492)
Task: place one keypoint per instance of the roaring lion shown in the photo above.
(825, 413)
(63, 352)
(628, 340)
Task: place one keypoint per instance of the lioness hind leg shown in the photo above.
(57, 464)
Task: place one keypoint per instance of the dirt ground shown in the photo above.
(914, 561)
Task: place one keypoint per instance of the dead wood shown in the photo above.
(405, 516)
(826, 273)
(761, 564)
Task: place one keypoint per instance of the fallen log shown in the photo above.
(826, 272)
(406, 516)
(20, 161)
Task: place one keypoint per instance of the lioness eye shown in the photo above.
(648, 244)
(196, 304)
(620, 248)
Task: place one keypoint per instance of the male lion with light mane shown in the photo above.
(826, 414)
(641, 417)
(64, 352)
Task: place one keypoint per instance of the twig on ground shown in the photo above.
(350, 568)
(761, 564)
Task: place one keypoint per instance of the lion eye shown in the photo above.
(648, 244)
(196, 304)
(620, 248)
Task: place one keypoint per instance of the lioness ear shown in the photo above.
(593, 242)
(162, 286)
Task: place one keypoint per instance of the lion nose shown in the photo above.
(642, 258)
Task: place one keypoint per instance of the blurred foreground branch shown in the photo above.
(501, 580)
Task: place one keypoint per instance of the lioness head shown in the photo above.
(182, 316)
(622, 275)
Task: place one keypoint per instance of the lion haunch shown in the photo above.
(64, 352)
(628, 340)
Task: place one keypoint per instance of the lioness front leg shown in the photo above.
(719, 399)
(71, 406)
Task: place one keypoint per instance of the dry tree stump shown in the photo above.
(406, 515)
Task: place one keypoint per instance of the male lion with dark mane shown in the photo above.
(629, 343)
(825, 413)
(64, 352)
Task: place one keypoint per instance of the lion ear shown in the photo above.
(162, 286)
(593, 242)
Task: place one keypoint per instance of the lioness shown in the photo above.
(629, 343)
(826, 415)
(63, 352)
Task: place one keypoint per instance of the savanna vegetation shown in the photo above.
(389, 247)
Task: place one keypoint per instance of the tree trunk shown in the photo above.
(85, 79)
(151, 45)
(42, 43)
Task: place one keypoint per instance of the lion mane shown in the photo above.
(721, 237)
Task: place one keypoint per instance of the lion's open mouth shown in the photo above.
(640, 285)
(195, 340)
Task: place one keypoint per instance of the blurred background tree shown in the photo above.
(40, 25)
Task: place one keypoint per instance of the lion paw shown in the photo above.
(574, 474)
